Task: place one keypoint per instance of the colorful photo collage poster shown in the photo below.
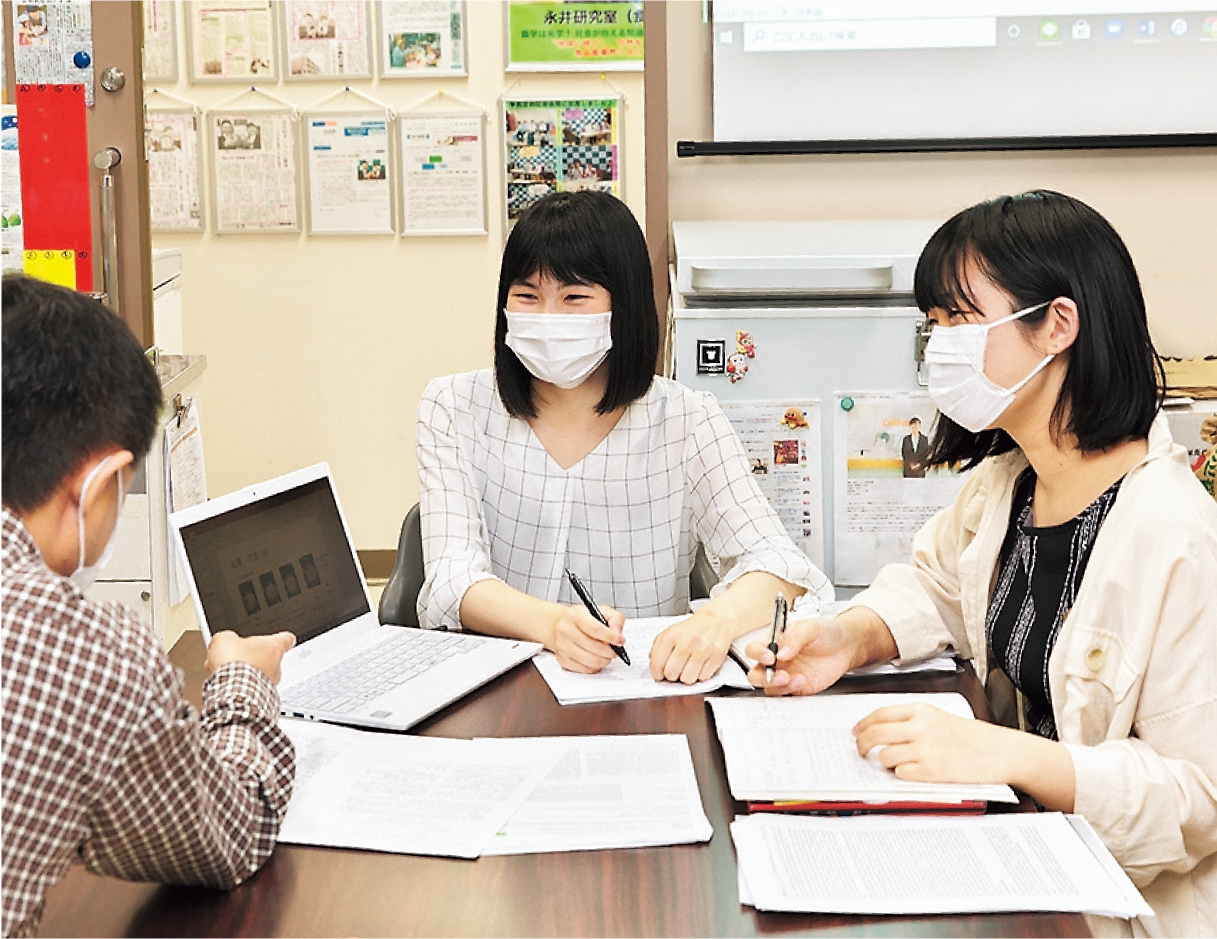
(560, 146)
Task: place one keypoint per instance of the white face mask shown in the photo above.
(560, 348)
(85, 576)
(959, 387)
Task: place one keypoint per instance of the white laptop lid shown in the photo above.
(274, 556)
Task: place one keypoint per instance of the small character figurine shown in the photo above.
(744, 343)
(794, 418)
(737, 366)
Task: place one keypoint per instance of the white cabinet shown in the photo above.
(138, 573)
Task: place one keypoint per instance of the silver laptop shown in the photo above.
(278, 556)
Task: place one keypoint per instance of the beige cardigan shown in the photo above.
(1133, 673)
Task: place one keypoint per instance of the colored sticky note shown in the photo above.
(56, 267)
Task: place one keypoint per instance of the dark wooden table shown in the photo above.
(684, 890)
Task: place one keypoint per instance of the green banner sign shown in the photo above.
(543, 35)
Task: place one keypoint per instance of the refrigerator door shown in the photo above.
(801, 355)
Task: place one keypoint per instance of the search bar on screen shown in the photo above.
(831, 35)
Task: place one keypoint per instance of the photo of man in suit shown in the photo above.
(914, 449)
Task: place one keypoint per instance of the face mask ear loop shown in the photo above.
(1035, 371)
(80, 509)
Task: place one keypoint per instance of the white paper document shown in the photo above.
(902, 865)
(620, 682)
(802, 748)
(404, 794)
(622, 791)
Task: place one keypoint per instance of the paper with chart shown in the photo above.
(620, 682)
(404, 794)
(621, 791)
(905, 865)
(802, 748)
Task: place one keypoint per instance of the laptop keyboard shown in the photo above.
(348, 685)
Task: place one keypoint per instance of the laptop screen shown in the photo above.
(283, 562)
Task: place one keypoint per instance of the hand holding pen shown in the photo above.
(588, 602)
(779, 627)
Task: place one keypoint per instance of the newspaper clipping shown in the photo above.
(348, 174)
(232, 41)
(444, 184)
(327, 39)
(160, 41)
(173, 170)
(53, 44)
(421, 39)
(254, 164)
(781, 441)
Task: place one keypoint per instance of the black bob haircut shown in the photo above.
(583, 237)
(1036, 247)
(76, 383)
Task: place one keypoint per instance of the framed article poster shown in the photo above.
(421, 39)
(232, 41)
(175, 166)
(558, 145)
(253, 171)
(349, 173)
(443, 179)
(160, 41)
(327, 39)
(557, 36)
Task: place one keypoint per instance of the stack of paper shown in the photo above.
(900, 865)
(780, 749)
(464, 798)
(627, 791)
(620, 682)
(404, 794)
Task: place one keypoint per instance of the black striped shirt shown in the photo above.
(1041, 571)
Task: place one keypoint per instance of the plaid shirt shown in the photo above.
(103, 758)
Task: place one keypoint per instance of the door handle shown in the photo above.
(105, 160)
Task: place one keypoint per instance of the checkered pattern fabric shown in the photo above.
(627, 518)
(580, 118)
(104, 760)
(603, 159)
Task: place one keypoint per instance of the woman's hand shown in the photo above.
(922, 743)
(689, 651)
(812, 655)
(581, 643)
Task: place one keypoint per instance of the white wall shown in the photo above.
(318, 348)
(1159, 200)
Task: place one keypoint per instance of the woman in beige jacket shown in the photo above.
(1078, 566)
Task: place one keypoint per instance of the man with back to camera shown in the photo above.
(103, 758)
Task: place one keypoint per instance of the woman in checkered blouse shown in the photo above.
(572, 454)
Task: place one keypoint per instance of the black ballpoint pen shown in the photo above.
(588, 602)
(779, 627)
